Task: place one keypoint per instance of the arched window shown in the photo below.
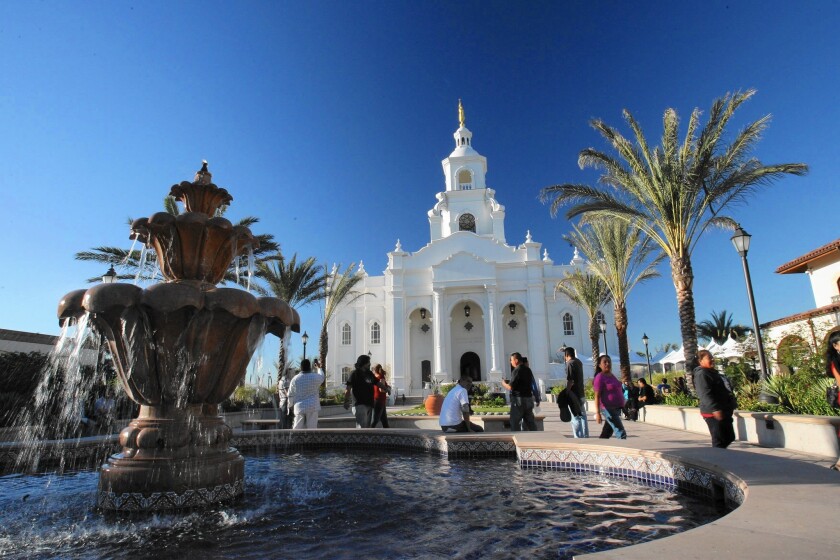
(345, 374)
(568, 324)
(374, 333)
(465, 180)
(346, 339)
(466, 223)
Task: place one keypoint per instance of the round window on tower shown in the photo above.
(466, 223)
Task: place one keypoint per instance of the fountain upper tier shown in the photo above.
(197, 245)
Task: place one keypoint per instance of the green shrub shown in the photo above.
(675, 399)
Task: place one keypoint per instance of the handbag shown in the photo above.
(831, 395)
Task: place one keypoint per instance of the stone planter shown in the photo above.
(433, 404)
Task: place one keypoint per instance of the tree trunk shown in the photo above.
(683, 277)
(595, 339)
(281, 357)
(322, 349)
(621, 333)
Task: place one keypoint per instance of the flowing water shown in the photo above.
(374, 504)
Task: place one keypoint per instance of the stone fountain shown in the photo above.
(180, 348)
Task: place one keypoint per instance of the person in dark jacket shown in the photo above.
(521, 395)
(717, 403)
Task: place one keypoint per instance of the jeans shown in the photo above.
(612, 416)
(364, 415)
(580, 425)
(722, 431)
(522, 411)
(379, 414)
(462, 427)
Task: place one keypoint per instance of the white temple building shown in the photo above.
(466, 300)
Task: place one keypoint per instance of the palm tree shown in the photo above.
(719, 327)
(622, 257)
(299, 284)
(339, 290)
(131, 261)
(589, 292)
(674, 192)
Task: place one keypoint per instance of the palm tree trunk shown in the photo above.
(595, 339)
(322, 349)
(683, 277)
(621, 333)
(281, 357)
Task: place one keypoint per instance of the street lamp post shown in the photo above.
(305, 339)
(741, 241)
(645, 339)
(603, 325)
(109, 277)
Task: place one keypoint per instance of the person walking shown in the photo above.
(455, 410)
(521, 395)
(286, 412)
(305, 398)
(380, 397)
(609, 399)
(717, 403)
(646, 396)
(575, 390)
(360, 384)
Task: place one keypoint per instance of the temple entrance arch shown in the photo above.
(471, 365)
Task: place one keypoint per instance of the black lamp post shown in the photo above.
(645, 339)
(110, 277)
(741, 241)
(305, 339)
(603, 325)
(467, 310)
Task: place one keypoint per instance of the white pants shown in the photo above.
(306, 420)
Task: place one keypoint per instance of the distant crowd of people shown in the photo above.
(367, 393)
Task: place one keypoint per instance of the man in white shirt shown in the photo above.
(455, 411)
(304, 396)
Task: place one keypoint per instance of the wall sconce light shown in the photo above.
(512, 308)
(467, 310)
(422, 312)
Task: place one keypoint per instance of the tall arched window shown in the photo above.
(345, 374)
(568, 324)
(374, 333)
(466, 223)
(345, 335)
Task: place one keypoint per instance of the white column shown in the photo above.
(494, 373)
(438, 332)
(396, 338)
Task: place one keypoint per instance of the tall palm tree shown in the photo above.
(589, 292)
(131, 261)
(674, 192)
(622, 257)
(299, 284)
(339, 290)
(719, 327)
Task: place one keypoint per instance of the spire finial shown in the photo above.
(461, 117)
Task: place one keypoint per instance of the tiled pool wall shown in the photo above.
(651, 469)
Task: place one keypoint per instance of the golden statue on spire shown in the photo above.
(461, 118)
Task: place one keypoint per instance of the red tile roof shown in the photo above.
(801, 264)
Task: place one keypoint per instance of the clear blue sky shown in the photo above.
(329, 120)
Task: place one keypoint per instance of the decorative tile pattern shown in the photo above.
(160, 501)
(654, 471)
